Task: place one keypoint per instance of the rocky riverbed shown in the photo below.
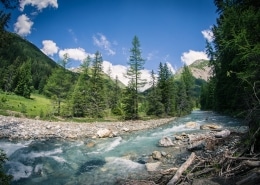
(23, 128)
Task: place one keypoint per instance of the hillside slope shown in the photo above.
(199, 69)
(18, 51)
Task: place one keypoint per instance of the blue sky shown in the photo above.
(172, 31)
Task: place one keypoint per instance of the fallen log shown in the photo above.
(169, 171)
(252, 163)
(183, 167)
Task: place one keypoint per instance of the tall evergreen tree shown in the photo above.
(24, 80)
(166, 89)
(80, 96)
(136, 63)
(155, 107)
(236, 61)
(97, 94)
(58, 85)
(189, 82)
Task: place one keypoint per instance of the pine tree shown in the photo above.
(24, 80)
(97, 94)
(136, 63)
(58, 85)
(189, 82)
(155, 107)
(80, 96)
(166, 89)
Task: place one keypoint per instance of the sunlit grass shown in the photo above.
(37, 105)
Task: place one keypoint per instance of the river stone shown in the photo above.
(210, 127)
(191, 124)
(222, 134)
(125, 129)
(165, 141)
(104, 133)
(91, 144)
(156, 155)
(151, 167)
(199, 145)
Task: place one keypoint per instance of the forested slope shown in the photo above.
(235, 58)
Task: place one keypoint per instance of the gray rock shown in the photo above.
(222, 134)
(210, 127)
(151, 167)
(156, 155)
(166, 142)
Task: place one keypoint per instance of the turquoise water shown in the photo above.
(95, 161)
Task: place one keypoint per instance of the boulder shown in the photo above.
(191, 124)
(125, 129)
(166, 142)
(222, 134)
(200, 145)
(210, 127)
(156, 155)
(151, 167)
(104, 133)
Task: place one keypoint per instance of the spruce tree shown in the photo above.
(58, 85)
(24, 80)
(155, 107)
(97, 94)
(136, 63)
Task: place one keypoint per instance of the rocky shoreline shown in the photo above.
(23, 128)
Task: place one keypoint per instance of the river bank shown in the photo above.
(23, 128)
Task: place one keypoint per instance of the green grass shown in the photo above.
(37, 105)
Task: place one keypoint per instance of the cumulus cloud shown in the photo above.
(169, 65)
(75, 53)
(120, 71)
(23, 25)
(40, 4)
(49, 47)
(208, 34)
(101, 41)
(191, 56)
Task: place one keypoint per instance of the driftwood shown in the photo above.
(183, 167)
(169, 171)
(252, 163)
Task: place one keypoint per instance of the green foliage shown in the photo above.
(58, 86)
(4, 178)
(24, 80)
(17, 52)
(136, 63)
(235, 57)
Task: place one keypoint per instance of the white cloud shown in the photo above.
(23, 25)
(169, 65)
(191, 56)
(75, 53)
(49, 47)
(40, 4)
(101, 41)
(120, 71)
(208, 34)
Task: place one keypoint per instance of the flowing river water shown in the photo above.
(97, 161)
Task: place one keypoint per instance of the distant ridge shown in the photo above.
(200, 69)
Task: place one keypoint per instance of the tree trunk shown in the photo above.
(183, 167)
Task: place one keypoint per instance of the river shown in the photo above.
(97, 161)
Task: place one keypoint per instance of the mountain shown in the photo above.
(200, 70)
(16, 52)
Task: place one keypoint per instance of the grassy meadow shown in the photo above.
(36, 106)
